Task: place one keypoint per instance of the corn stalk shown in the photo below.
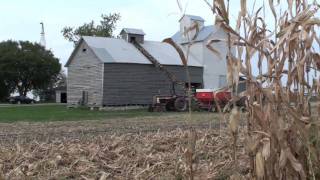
(280, 116)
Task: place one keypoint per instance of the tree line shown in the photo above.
(27, 66)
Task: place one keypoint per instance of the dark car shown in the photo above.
(21, 100)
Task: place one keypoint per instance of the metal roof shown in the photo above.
(166, 54)
(132, 31)
(112, 50)
(193, 17)
(203, 34)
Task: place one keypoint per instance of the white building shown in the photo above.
(214, 65)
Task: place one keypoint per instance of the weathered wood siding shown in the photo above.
(85, 73)
(138, 83)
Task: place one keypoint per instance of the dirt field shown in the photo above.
(167, 122)
(122, 148)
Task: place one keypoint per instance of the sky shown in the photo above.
(159, 19)
(20, 19)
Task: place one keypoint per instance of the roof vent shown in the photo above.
(130, 34)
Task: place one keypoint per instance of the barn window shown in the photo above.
(132, 39)
(84, 50)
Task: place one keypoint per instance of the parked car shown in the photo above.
(21, 100)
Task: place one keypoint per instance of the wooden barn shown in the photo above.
(112, 71)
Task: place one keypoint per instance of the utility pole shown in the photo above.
(42, 36)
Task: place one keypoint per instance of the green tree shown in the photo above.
(48, 94)
(27, 66)
(4, 90)
(5, 87)
(104, 29)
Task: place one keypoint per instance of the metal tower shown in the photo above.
(42, 38)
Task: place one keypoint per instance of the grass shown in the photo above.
(61, 113)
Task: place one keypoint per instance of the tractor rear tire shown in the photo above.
(180, 104)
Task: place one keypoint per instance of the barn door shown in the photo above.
(84, 99)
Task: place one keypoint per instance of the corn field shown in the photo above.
(282, 133)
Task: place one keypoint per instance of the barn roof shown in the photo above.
(112, 50)
(203, 34)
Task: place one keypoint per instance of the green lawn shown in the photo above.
(61, 113)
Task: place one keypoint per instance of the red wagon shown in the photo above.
(208, 98)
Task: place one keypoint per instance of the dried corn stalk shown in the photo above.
(281, 145)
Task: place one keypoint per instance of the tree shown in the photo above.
(61, 79)
(27, 66)
(4, 89)
(104, 29)
(47, 94)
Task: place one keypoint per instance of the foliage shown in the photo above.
(61, 79)
(47, 94)
(104, 29)
(4, 90)
(27, 66)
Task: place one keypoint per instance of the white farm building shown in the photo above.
(214, 66)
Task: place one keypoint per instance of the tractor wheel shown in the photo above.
(180, 104)
(170, 105)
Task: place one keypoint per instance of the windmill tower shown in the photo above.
(42, 36)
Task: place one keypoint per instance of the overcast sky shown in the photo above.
(158, 18)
